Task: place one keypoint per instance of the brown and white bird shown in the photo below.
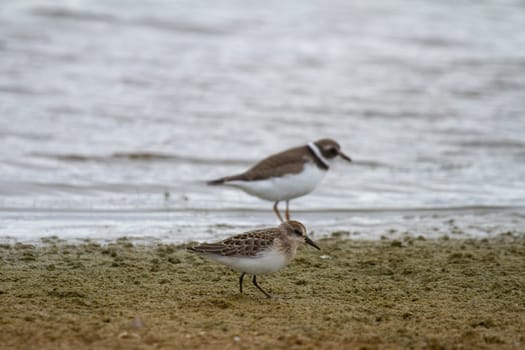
(287, 175)
(258, 252)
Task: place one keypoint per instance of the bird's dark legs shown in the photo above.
(287, 212)
(254, 280)
(240, 281)
(276, 211)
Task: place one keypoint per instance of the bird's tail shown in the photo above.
(225, 180)
(216, 182)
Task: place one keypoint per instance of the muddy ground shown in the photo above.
(392, 294)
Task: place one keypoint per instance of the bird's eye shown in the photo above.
(297, 232)
(332, 151)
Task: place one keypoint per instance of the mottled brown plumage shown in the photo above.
(246, 244)
(259, 251)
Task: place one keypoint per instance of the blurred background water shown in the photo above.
(113, 113)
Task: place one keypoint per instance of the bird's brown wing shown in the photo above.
(290, 161)
(246, 244)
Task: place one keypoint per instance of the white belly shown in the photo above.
(260, 264)
(285, 187)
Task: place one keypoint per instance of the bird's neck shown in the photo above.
(287, 246)
(321, 161)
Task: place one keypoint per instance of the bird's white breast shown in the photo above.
(284, 187)
(264, 262)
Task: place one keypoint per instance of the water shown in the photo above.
(114, 113)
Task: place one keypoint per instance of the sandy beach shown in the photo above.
(388, 294)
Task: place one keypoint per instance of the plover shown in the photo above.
(287, 175)
(258, 252)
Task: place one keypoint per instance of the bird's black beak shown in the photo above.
(344, 156)
(308, 241)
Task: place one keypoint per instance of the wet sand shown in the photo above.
(393, 294)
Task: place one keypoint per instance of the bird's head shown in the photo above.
(296, 231)
(330, 149)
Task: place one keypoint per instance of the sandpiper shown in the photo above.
(258, 252)
(287, 175)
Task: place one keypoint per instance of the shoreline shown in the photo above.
(178, 227)
(404, 293)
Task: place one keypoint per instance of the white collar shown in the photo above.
(313, 147)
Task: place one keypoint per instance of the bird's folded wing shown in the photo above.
(248, 244)
(287, 162)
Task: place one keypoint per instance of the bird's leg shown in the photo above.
(254, 280)
(276, 211)
(287, 212)
(240, 281)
